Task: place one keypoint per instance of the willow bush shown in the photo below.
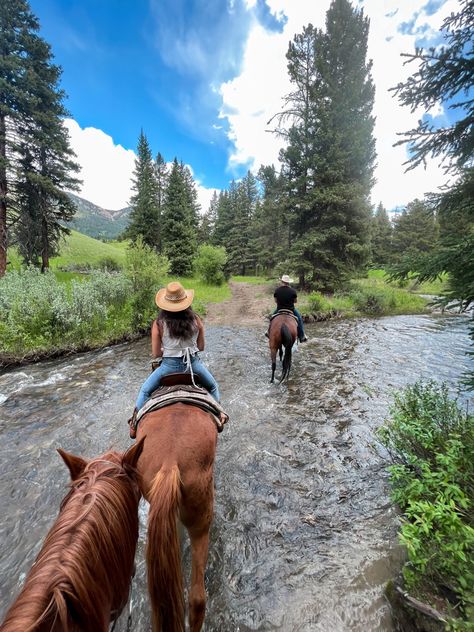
(39, 313)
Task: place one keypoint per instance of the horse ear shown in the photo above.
(132, 455)
(75, 464)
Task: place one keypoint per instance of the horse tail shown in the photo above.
(287, 342)
(165, 580)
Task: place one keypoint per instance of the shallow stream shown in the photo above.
(304, 536)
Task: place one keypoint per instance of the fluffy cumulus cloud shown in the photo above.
(252, 98)
(107, 169)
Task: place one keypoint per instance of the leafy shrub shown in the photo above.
(109, 264)
(145, 269)
(431, 442)
(210, 263)
(369, 301)
(27, 307)
(317, 302)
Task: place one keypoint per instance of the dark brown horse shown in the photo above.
(282, 336)
(177, 473)
(81, 577)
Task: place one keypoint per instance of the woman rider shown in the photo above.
(176, 336)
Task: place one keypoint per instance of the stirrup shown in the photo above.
(132, 422)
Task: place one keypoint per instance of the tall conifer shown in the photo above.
(144, 216)
(179, 223)
(329, 160)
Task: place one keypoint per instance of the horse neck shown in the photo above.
(85, 564)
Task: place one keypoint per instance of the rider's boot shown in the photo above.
(132, 422)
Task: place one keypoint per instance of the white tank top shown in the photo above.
(178, 347)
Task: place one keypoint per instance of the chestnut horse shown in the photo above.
(177, 472)
(282, 336)
(80, 580)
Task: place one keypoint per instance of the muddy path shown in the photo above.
(247, 306)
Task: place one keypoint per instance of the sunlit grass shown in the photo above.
(254, 280)
(202, 291)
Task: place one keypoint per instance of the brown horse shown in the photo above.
(81, 577)
(177, 473)
(282, 336)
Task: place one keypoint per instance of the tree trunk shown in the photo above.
(3, 196)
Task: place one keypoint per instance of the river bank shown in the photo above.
(250, 303)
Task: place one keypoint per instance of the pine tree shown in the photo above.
(415, 231)
(36, 161)
(144, 216)
(243, 198)
(270, 224)
(329, 161)
(161, 176)
(178, 225)
(445, 75)
(381, 237)
(224, 220)
(208, 221)
(46, 160)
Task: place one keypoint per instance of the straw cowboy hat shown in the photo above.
(286, 279)
(174, 298)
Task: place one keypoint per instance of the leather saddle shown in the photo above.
(178, 388)
(282, 312)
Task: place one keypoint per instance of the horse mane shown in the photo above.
(84, 567)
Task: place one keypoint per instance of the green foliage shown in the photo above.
(36, 161)
(372, 296)
(329, 160)
(179, 221)
(371, 301)
(146, 270)
(431, 443)
(317, 302)
(415, 231)
(210, 263)
(39, 312)
(145, 213)
(381, 237)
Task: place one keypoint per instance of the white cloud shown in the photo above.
(256, 94)
(107, 168)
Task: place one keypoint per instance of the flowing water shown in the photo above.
(304, 536)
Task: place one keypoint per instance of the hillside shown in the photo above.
(96, 221)
(78, 249)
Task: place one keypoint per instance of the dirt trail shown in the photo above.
(247, 306)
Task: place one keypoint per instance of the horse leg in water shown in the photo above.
(198, 519)
(273, 353)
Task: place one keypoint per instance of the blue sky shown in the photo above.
(203, 77)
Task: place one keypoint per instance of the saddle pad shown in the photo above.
(283, 311)
(194, 396)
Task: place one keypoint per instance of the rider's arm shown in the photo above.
(200, 338)
(156, 350)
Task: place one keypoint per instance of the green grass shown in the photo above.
(76, 250)
(371, 296)
(436, 287)
(80, 249)
(254, 280)
(203, 292)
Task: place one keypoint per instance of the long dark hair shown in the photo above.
(180, 324)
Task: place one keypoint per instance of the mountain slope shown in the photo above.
(96, 221)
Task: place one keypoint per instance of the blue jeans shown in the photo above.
(177, 365)
(300, 329)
